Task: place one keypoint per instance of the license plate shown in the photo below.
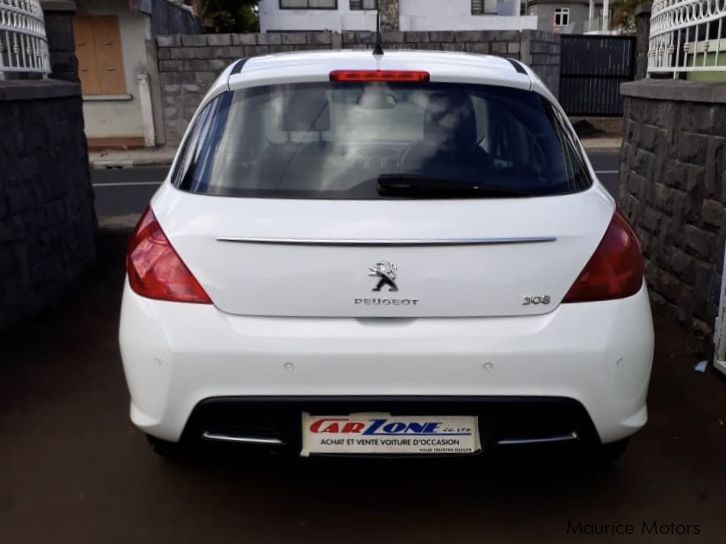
(378, 433)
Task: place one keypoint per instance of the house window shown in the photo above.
(562, 16)
(483, 7)
(363, 4)
(100, 59)
(308, 4)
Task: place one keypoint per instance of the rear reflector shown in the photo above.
(615, 270)
(154, 268)
(401, 76)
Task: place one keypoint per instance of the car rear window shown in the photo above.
(380, 140)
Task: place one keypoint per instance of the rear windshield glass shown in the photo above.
(380, 140)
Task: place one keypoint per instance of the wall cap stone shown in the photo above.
(58, 5)
(37, 89)
(676, 90)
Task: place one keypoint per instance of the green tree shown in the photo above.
(221, 16)
(624, 14)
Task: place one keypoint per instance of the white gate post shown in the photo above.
(147, 110)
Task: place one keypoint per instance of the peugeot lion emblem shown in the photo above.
(385, 271)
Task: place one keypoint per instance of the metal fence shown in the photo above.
(592, 68)
(23, 43)
(687, 36)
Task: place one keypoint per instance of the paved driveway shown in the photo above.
(75, 470)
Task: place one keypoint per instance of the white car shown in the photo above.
(406, 254)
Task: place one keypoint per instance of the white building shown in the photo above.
(340, 15)
(571, 16)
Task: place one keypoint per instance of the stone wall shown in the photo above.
(673, 190)
(188, 64)
(541, 51)
(47, 218)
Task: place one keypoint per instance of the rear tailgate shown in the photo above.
(354, 258)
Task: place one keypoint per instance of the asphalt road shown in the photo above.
(123, 191)
(75, 470)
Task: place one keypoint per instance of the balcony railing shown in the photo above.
(23, 44)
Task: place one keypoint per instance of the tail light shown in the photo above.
(154, 268)
(616, 268)
(399, 76)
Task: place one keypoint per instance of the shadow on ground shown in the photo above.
(75, 470)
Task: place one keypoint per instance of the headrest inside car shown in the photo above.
(450, 117)
(306, 111)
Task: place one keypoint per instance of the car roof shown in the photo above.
(342, 59)
(442, 66)
(315, 66)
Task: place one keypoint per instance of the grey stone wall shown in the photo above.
(541, 51)
(188, 64)
(47, 218)
(673, 190)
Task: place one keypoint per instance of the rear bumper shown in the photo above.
(597, 354)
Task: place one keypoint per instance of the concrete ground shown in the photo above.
(75, 470)
(590, 128)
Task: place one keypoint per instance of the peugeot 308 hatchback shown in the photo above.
(406, 254)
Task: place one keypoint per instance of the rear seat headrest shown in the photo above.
(306, 110)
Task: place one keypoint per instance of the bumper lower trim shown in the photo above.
(242, 439)
(542, 440)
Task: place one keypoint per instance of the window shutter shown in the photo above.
(477, 7)
(86, 55)
(100, 56)
(110, 57)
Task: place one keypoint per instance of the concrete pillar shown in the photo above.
(642, 27)
(591, 16)
(58, 16)
(389, 14)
